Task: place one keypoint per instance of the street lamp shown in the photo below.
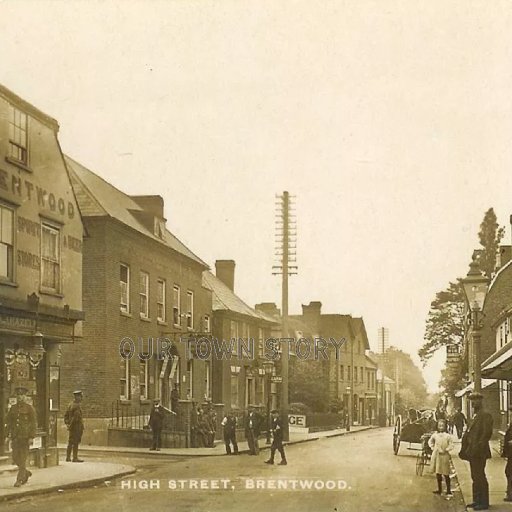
(268, 367)
(349, 419)
(475, 288)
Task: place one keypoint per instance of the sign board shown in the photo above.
(277, 378)
(297, 420)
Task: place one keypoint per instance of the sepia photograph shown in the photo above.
(255, 255)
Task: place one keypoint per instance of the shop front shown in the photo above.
(30, 357)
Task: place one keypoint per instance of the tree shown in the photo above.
(307, 384)
(445, 321)
(452, 376)
(399, 366)
(490, 235)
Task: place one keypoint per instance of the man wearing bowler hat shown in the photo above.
(21, 428)
(75, 423)
(476, 443)
(277, 439)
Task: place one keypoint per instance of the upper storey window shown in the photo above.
(18, 148)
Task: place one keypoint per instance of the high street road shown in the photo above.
(361, 468)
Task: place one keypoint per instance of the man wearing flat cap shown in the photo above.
(475, 444)
(277, 439)
(75, 423)
(21, 428)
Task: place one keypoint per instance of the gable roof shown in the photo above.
(359, 327)
(96, 197)
(224, 299)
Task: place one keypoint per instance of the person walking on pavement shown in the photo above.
(229, 425)
(459, 420)
(277, 439)
(507, 453)
(74, 422)
(21, 428)
(475, 448)
(156, 422)
(252, 431)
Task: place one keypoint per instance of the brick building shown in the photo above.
(496, 342)
(140, 284)
(237, 381)
(40, 267)
(350, 379)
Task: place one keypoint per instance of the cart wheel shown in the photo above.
(420, 463)
(396, 434)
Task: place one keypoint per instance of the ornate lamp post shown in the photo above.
(475, 288)
(269, 367)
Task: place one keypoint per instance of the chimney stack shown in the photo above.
(225, 271)
(311, 314)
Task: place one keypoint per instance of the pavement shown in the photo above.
(495, 471)
(70, 475)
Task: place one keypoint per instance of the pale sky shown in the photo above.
(391, 121)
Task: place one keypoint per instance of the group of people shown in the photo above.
(253, 423)
(204, 426)
(474, 449)
(21, 425)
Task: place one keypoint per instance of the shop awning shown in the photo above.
(485, 383)
(499, 365)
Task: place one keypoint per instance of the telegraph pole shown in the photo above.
(286, 237)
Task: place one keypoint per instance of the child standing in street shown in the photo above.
(441, 444)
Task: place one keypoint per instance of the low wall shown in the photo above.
(95, 431)
(134, 438)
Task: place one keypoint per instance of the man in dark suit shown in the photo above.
(252, 431)
(156, 423)
(277, 439)
(476, 439)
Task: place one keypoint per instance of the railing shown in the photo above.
(129, 416)
(136, 417)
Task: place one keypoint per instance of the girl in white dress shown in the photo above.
(441, 444)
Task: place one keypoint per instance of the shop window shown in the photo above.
(6, 243)
(54, 392)
(124, 281)
(144, 294)
(18, 147)
(160, 301)
(50, 258)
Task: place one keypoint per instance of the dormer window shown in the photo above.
(159, 228)
(18, 149)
